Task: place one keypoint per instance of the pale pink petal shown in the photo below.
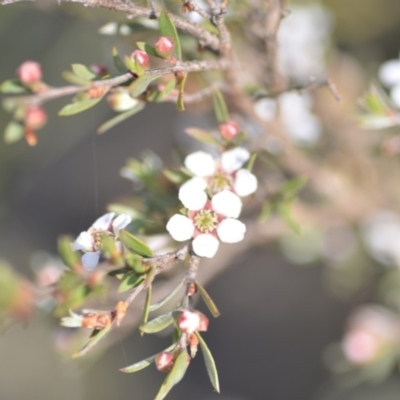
(231, 230)
(234, 159)
(192, 194)
(121, 222)
(200, 163)
(181, 228)
(90, 260)
(83, 242)
(205, 245)
(104, 222)
(245, 183)
(188, 322)
(227, 203)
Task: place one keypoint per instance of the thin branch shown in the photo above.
(194, 7)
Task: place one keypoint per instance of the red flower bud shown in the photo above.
(35, 118)
(164, 46)
(229, 130)
(99, 69)
(141, 58)
(29, 72)
(164, 361)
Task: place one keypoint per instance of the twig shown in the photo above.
(193, 6)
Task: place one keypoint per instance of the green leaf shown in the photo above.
(117, 60)
(266, 211)
(75, 108)
(285, 212)
(209, 362)
(129, 282)
(202, 136)
(180, 105)
(291, 187)
(220, 109)
(157, 324)
(104, 127)
(251, 162)
(70, 257)
(134, 244)
(167, 28)
(168, 297)
(13, 132)
(83, 72)
(176, 177)
(169, 87)
(133, 66)
(208, 300)
(144, 363)
(146, 308)
(97, 335)
(150, 50)
(74, 79)
(175, 375)
(12, 86)
(139, 85)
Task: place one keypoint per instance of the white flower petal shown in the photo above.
(191, 196)
(205, 245)
(227, 203)
(83, 242)
(121, 222)
(389, 73)
(181, 228)
(233, 159)
(195, 183)
(231, 230)
(104, 222)
(200, 163)
(245, 183)
(90, 260)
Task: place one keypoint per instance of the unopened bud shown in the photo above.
(191, 289)
(120, 100)
(29, 72)
(193, 343)
(229, 130)
(35, 118)
(99, 69)
(141, 58)
(89, 321)
(30, 137)
(120, 311)
(164, 47)
(96, 92)
(165, 361)
(204, 321)
(188, 322)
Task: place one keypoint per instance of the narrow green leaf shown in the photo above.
(70, 257)
(169, 87)
(74, 79)
(167, 28)
(202, 136)
(175, 375)
(13, 132)
(266, 211)
(150, 50)
(75, 108)
(146, 308)
(208, 300)
(104, 127)
(250, 164)
(93, 341)
(285, 212)
(168, 297)
(291, 187)
(220, 109)
(12, 86)
(117, 60)
(83, 72)
(157, 324)
(129, 282)
(134, 244)
(176, 177)
(139, 85)
(180, 105)
(209, 362)
(133, 66)
(144, 363)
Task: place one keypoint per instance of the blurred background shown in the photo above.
(282, 304)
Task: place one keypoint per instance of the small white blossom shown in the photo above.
(73, 321)
(389, 75)
(220, 174)
(214, 221)
(88, 241)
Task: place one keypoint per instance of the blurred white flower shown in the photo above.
(88, 241)
(208, 222)
(389, 75)
(223, 173)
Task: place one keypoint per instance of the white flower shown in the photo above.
(207, 222)
(88, 241)
(219, 174)
(73, 321)
(389, 75)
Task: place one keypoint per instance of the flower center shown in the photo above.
(206, 220)
(219, 181)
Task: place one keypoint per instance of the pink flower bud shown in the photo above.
(29, 72)
(30, 137)
(204, 321)
(35, 118)
(191, 321)
(229, 130)
(99, 69)
(164, 46)
(141, 58)
(164, 361)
